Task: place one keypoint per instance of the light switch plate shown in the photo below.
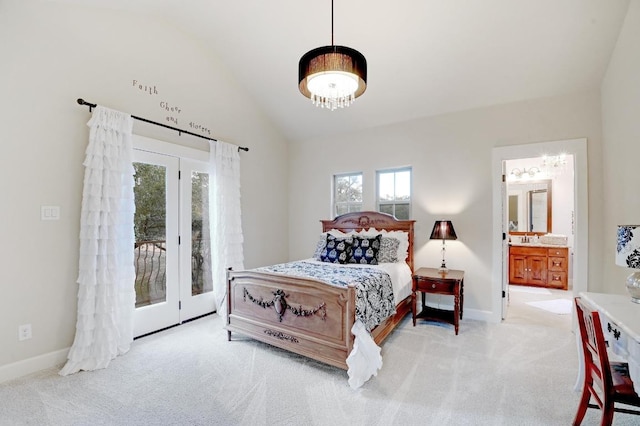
(49, 212)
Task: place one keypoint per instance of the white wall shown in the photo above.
(621, 133)
(452, 178)
(51, 55)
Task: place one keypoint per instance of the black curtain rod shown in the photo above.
(180, 131)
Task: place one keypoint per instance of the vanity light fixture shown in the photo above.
(531, 172)
(332, 76)
(628, 255)
(443, 230)
(554, 165)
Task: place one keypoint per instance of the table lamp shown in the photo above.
(443, 230)
(628, 254)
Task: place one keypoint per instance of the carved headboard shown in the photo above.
(358, 221)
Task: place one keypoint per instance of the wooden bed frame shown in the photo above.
(307, 316)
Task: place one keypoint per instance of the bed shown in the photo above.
(310, 317)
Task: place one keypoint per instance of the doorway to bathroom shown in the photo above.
(540, 204)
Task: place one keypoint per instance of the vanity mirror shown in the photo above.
(529, 206)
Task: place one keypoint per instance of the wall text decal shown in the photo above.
(152, 90)
(168, 107)
(196, 126)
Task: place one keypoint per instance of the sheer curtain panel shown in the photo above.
(106, 293)
(226, 219)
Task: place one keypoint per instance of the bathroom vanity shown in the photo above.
(542, 265)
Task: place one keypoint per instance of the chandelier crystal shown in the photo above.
(332, 76)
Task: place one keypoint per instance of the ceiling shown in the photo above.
(425, 57)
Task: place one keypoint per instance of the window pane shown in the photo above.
(347, 193)
(201, 279)
(403, 185)
(386, 186)
(402, 211)
(342, 209)
(354, 192)
(150, 233)
(342, 188)
(387, 208)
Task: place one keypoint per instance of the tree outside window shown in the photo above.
(347, 193)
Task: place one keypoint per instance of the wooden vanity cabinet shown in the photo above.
(528, 265)
(538, 266)
(558, 268)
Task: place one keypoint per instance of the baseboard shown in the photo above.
(472, 314)
(478, 315)
(33, 365)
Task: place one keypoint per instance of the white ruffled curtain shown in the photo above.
(106, 293)
(225, 217)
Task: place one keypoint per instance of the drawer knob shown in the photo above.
(433, 286)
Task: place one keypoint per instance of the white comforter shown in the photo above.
(365, 359)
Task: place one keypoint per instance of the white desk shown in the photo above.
(620, 319)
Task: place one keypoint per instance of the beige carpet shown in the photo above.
(520, 372)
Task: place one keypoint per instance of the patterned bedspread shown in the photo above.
(374, 292)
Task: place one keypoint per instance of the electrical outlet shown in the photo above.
(24, 332)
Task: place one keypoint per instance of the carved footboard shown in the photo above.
(301, 315)
(306, 316)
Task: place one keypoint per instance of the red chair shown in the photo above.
(607, 382)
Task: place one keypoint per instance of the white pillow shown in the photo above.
(402, 236)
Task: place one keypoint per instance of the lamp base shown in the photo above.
(443, 269)
(633, 286)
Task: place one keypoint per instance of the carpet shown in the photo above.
(556, 306)
(489, 375)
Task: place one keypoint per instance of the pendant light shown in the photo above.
(332, 76)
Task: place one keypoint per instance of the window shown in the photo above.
(347, 195)
(394, 192)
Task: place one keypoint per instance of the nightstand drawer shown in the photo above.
(432, 286)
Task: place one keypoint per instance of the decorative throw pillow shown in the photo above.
(388, 250)
(322, 243)
(337, 250)
(365, 250)
(401, 236)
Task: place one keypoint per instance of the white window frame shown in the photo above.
(395, 202)
(350, 206)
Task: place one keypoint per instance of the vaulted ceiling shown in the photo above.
(425, 57)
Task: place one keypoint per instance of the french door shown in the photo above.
(172, 248)
(196, 285)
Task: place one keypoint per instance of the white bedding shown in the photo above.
(365, 359)
(399, 272)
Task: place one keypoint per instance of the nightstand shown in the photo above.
(431, 280)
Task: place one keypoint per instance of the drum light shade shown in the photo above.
(332, 76)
